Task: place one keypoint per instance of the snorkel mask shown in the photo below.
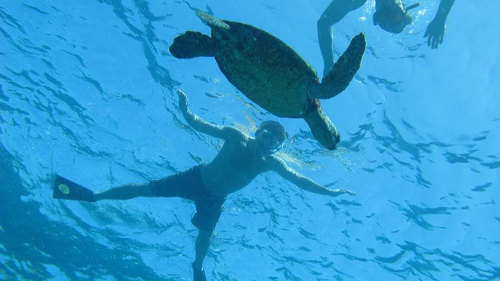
(271, 136)
(393, 16)
(276, 149)
(270, 142)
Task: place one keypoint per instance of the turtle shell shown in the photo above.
(264, 69)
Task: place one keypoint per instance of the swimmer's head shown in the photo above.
(271, 136)
(392, 16)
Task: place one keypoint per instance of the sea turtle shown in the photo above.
(272, 74)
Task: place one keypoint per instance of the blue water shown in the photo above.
(87, 90)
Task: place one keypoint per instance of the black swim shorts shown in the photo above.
(189, 185)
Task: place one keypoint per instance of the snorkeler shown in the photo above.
(391, 15)
(239, 161)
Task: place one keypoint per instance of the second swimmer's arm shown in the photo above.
(444, 10)
(335, 12)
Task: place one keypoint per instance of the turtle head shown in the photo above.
(192, 44)
(392, 16)
(321, 126)
(270, 136)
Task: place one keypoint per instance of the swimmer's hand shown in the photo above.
(435, 33)
(183, 101)
(336, 192)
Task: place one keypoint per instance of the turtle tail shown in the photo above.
(322, 127)
(193, 44)
(343, 70)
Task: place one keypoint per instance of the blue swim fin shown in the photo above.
(66, 189)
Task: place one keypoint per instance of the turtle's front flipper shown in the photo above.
(193, 44)
(322, 127)
(342, 71)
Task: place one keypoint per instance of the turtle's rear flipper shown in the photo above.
(192, 44)
(66, 189)
(343, 70)
(211, 20)
(322, 127)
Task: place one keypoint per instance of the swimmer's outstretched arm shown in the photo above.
(280, 167)
(436, 28)
(200, 125)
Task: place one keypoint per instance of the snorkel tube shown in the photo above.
(413, 6)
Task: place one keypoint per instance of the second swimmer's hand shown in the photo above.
(183, 101)
(435, 33)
